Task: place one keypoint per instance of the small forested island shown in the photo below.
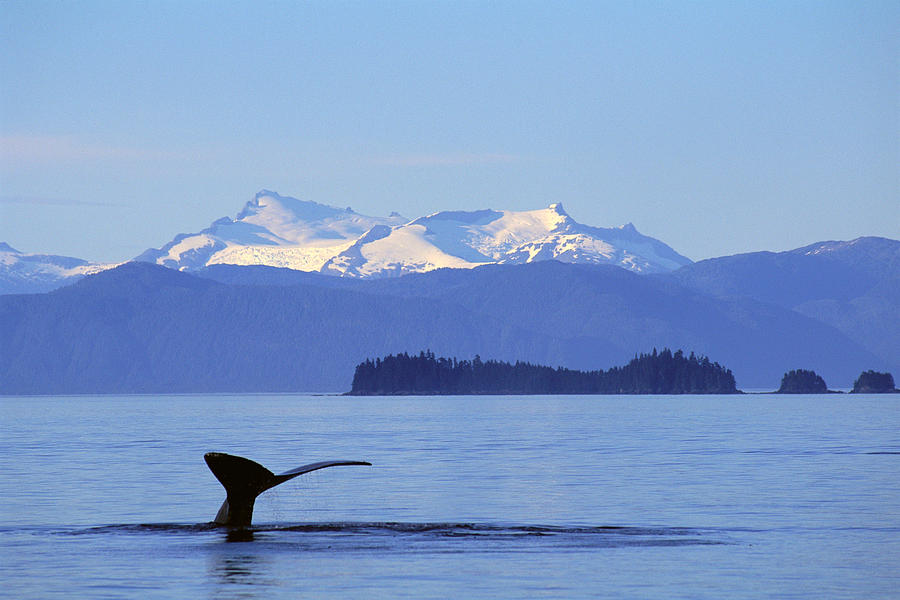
(663, 372)
(802, 381)
(873, 382)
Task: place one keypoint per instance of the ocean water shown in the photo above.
(756, 496)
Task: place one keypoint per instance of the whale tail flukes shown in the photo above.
(244, 480)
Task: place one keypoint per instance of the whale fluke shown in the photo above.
(244, 480)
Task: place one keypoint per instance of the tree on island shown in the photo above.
(802, 381)
(662, 372)
(873, 382)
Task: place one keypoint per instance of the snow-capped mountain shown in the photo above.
(272, 230)
(459, 239)
(22, 273)
(281, 231)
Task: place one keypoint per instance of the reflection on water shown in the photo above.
(239, 535)
(404, 537)
(481, 497)
(237, 568)
(239, 575)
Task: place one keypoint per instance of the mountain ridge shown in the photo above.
(282, 231)
(853, 286)
(22, 272)
(142, 328)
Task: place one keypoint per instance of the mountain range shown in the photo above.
(852, 286)
(23, 273)
(281, 231)
(534, 286)
(143, 328)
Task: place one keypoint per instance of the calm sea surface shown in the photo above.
(478, 497)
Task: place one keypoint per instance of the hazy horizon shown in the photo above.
(715, 128)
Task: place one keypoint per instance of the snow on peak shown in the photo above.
(557, 207)
(277, 212)
(25, 273)
(273, 230)
(282, 231)
(466, 239)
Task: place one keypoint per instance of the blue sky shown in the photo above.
(717, 127)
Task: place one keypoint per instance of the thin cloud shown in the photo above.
(37, 201)
(27, 148)
(443, 160)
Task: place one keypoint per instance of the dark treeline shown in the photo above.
(802, 381)
(662, 372)
(873, 382)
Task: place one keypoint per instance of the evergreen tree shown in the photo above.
(873, 382)
(802, 381)
(660, 372)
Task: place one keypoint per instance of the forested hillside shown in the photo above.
(655, 373)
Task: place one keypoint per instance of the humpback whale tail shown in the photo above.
(244, 480)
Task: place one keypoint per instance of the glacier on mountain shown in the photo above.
(26, 273)
(272, 230)
(281, 231)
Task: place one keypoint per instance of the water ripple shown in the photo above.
(423, 536)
